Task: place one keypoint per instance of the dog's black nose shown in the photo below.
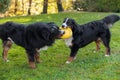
(63, 26)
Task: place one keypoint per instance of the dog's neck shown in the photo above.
(75, 28)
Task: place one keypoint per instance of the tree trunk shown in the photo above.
(29, 9)
(59, 5)
(45, 6)
(23, 6)
(16, 4)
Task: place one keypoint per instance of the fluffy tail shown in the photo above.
(111, 19)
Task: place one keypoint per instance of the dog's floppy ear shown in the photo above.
(73, 22)
(52, 26)
(46, 34)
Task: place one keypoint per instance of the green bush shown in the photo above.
(97, 5)
(4, 4)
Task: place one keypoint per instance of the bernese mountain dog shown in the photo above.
(32, 37)
(87, 33)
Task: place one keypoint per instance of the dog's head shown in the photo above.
(55, 32)
(6, 28)
(68, 22)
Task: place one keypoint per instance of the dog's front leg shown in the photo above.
(31, 59)
(6, 46)
(37, 56)
(74, 50)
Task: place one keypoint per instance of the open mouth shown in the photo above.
(62, 32)
(67, 32)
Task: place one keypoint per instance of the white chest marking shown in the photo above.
(110, 25)
(44, 48)
(10, 39)
(68, 41)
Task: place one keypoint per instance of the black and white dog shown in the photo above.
(32, 37)
(87, 33)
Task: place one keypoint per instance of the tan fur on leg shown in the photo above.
(37, 56)
(70, 59)
(32, 65)
(98, 44)
(107, 53)
(6, 46)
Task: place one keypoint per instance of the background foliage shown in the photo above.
(21, 7)
(87, 66)
(4, 4)
(97, 5)
(36, 7)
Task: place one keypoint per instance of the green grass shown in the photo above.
(87, 66)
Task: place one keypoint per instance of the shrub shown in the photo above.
(97, 5)
(4, 5)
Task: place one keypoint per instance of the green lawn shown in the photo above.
(87, 66)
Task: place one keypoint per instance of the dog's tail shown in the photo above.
(111, 19)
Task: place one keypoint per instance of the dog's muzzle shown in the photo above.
(62, 32)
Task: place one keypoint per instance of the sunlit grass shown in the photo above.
(87, 66)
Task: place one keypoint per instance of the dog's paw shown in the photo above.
(67, 62)
(107, 55)
(32, 65)
(94, 51)
(74, 58)
(6, 60)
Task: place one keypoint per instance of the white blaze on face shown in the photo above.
(65, 23)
